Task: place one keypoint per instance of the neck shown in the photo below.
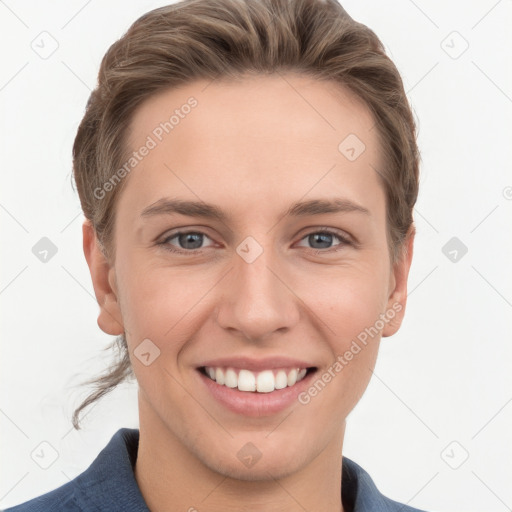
(171, 478)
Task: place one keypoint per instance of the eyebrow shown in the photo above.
(167, 206)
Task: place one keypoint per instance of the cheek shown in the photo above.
(349, 310)
(353, 306)
(157, 300)
(160, 305)
(348, 301)
(170, 303)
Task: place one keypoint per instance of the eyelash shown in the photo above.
(165, 242)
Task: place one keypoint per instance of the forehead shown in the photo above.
(280, 108)
(258, 135)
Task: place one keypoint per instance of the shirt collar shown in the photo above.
(109, 482)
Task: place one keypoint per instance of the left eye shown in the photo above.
(324, 239)
(193, 240)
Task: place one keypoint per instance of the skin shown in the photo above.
(252, 147)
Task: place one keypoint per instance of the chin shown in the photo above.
(240, 459)
(260, 472)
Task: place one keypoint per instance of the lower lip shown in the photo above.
(256, 404)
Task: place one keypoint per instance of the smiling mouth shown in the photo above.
(265, 381)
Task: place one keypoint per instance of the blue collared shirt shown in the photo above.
(109, 484)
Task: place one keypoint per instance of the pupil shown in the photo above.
(193, 238)
(322, 238)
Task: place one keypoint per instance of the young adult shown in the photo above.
(248, 171)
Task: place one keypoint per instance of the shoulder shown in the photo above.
(359, 492)
(107, 484)
(61, 499)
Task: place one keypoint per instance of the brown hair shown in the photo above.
(208, 39)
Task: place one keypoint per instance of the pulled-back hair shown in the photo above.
(208, 39)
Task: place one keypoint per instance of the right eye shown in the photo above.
(189, 242)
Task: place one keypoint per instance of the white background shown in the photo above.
(444, 377)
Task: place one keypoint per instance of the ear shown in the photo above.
(104, 282)
(397, 298)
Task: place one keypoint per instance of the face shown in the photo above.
(251, 243)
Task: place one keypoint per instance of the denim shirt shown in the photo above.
(109, 484)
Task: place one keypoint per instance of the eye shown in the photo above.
(323, 239)
(188, 241)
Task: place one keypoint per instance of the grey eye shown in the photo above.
(320, 240)
(190, 240)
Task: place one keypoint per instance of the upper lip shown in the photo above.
(248, 363)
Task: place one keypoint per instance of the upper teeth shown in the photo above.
(262, 382)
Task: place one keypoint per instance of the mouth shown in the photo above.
(265, 381)
(254, 387)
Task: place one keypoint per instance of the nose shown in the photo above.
(258, 301)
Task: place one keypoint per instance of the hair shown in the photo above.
(208, 39)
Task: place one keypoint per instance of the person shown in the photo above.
(248, 171)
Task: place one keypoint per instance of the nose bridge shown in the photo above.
(258, 302)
